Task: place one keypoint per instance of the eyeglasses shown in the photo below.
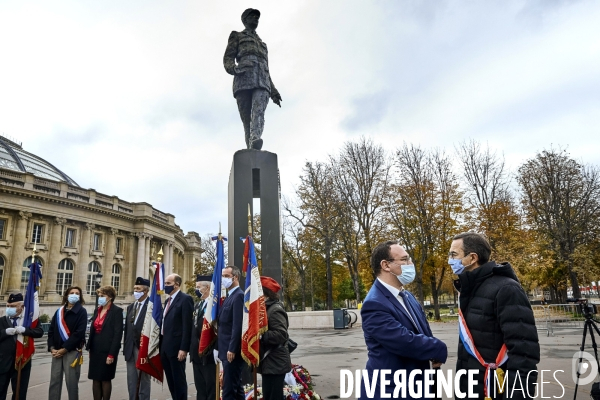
(402, 260)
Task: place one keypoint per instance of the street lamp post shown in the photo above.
(97, 281)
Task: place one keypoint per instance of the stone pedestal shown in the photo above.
(254, 174)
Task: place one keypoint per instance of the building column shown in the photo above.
(170, 253)
(81, 271)
(129, 265)
(109, 256)
(141, 252)
(147, 256)
(20, 238)
(54, 256)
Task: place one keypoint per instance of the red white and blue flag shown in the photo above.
(255, 312)
(214, 300)
(25, 345)
(149, 355)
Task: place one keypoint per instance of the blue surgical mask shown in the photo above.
(73, 298)
(169, 289)
(408, 274)
(456, 265)
(102, 301)
(11, 311)
(138, 295)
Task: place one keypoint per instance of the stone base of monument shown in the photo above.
(317, 319)
(255, 175)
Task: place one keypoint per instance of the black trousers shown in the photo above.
(232, 379)
(272, 386)
(175, 373)
(11, 377)
(205, 380)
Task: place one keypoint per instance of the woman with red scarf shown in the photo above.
(104, 343)
(275, 358)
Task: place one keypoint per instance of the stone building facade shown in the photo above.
(79, 232)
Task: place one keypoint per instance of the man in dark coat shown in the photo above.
(229, 341)
(497, 312)
(397, 334)
(204, 366)
(175, 336)
(11, 326)
(134, 323)
(252, 84)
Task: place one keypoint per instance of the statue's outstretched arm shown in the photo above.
(230, 53)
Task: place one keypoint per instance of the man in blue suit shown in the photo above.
(230, 335)
(396, 331)
(175, 336)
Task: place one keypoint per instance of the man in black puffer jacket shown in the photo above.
(497, 312)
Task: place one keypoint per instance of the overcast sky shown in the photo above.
(130, 97)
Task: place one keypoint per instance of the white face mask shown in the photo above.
(73, 298)
(407, 275)
(138, 295)
(226, 282)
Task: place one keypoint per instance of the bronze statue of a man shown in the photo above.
(252, 84)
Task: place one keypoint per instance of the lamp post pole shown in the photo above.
(97, 280)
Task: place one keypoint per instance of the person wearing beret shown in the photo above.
(204, 365)
(10, 327)
(104, 343)
(66, 338)
(275, 359)
(134, 323)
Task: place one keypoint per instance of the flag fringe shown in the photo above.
(251, 350)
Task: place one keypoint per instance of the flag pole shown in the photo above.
(255, 392)
(217, 369)
(20, 367)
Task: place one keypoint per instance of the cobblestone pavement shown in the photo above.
(324, 352)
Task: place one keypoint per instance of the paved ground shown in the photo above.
(324, 353)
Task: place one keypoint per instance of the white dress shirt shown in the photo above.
(396, 293)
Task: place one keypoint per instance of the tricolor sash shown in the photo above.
(467, 341)
(63, 329)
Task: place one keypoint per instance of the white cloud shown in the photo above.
(132, 98)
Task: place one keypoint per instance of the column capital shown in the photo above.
(89, 226)
(141, 235)
(60, 221)
(149, 236)
(25, 215)
(170, 243)
(114, 231)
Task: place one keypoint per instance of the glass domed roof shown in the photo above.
(13, 157)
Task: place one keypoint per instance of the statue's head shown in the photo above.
(250, 18)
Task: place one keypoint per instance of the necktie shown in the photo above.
(135, 312)
(14, 320)
(410, 310)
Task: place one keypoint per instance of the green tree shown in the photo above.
(561, 199)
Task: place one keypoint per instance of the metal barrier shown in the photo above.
(542, 322)
(558, 316)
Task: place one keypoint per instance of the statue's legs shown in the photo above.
(252, 105)
(244, 102)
